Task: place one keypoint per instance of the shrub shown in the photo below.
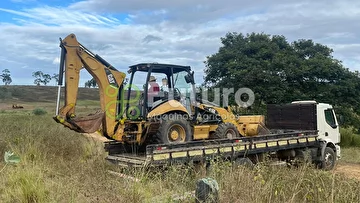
(17, 92)
(349, 138)
(356, 141)
(39, 111)
(4, 93)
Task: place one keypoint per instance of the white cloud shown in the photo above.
(181, 32)
(56, 60)
(61, 17)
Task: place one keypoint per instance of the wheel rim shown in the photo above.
(176, 133)
(230, 134)
(328, 160)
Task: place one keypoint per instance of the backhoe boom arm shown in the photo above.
(74, 57)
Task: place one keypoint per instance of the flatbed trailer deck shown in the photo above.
(229, 149)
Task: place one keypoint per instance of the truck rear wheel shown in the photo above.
(173, 129)
(225, 131)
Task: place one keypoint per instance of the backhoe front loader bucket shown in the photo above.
(252, 125)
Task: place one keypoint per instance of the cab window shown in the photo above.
(329, 117)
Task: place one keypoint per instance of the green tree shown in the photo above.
(280, 72)
(6, 77)
(91, 83)
(55, 76)
(41, 78)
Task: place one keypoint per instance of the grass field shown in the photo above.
(26, 94)
(58, 165)
(351, 155)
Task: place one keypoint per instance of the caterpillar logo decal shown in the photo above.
(111, 78)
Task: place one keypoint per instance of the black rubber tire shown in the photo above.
(224, 130)
(163, 134)
(300, 159)
(329, 159)
(243, 162)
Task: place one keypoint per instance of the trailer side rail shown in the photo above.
(163, 154)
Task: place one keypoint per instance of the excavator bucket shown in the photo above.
(88, 124)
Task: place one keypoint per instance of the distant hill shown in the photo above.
(32, 93)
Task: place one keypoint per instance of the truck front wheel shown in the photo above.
(328, 161)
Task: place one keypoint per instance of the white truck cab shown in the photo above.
(327, 125)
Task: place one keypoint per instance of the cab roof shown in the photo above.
(158, 68)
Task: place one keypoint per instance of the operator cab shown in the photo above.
(152, 84)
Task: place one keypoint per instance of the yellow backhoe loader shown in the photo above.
(143, 111)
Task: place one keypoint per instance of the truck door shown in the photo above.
(327, 124)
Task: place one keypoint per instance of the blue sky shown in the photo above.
(181, 32)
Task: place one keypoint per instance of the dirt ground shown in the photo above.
(4, 106)
(8, 106)
(96, 136)
(350, 170)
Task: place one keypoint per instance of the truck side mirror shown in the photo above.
(341, 119)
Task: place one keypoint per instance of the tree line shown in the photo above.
(43, 78)
(40, 78)
(279, 71)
